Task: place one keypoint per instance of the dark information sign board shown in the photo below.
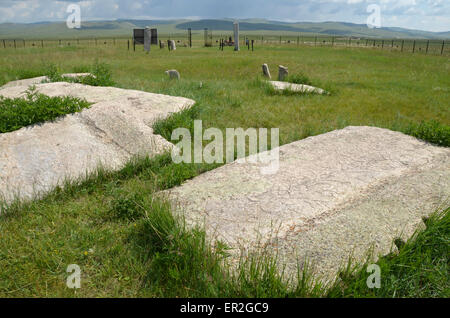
(154, 36)
(138, 36)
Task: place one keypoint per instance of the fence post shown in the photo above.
(382, 44)
(403, 42)
(190, 37)
(414, 46)
(315, 40)
(15, 44)
(4, 44)
(442, 49)
(128, 44)
(428, 44)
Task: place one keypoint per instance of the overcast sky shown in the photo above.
(430, 15)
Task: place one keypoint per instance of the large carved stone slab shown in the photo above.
(301, 88)
(335, 195)
(116, 127)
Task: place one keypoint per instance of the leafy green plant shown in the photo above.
(101, 76)
(298, 78)
(431, 131)
(52, 73)
(35, 108)
(127, 206)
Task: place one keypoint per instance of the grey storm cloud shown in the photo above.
(433, 15)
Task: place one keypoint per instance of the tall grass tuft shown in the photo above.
(298, 78)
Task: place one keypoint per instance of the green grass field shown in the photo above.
(128, 244)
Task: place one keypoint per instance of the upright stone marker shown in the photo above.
(147, 39)
(172, 45)
(173, 74)
(236, 36)
(282, 72)
(266, 70)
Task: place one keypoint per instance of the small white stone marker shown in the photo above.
(174, 74)
(172, 45)
(283, 72)
(266, 71)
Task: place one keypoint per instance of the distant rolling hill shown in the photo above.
(223, 25)
(326, 28)
(123, 28)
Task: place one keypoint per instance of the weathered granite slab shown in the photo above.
(301, 88)
(115, 128)
(335, 195)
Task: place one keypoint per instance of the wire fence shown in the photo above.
(436, 47)
(213, 39)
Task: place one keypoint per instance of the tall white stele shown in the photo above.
(147, 39)
(236, 36)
